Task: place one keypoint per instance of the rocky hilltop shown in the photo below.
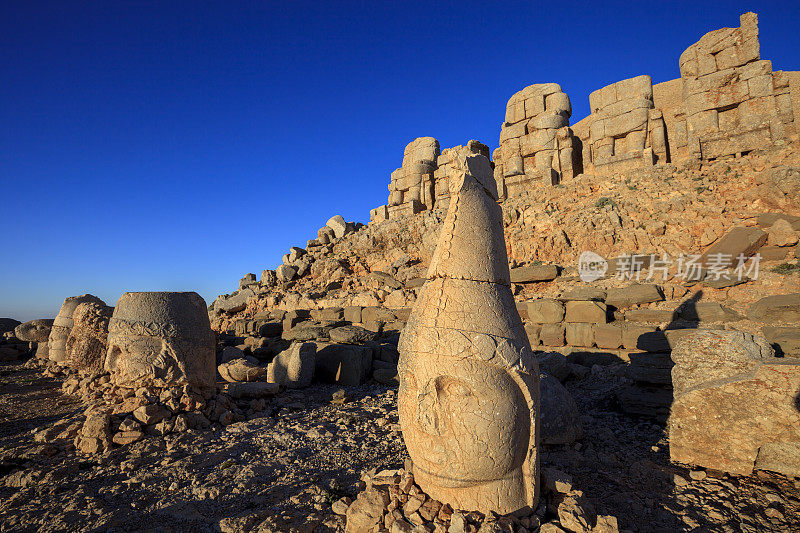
(652, 253)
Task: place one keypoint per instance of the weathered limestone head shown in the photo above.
(163, 339)
(469, 384)
(86, 344)
(37, 331)
(34, 330)
(57, 343)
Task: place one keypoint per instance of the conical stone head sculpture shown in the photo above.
(469, 383)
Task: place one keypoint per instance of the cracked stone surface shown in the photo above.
(469, 384)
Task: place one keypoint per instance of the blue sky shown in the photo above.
(178, 145)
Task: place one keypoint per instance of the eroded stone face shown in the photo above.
(57, 343)
(461, 411)
(86, 344)
(162, 339)
(469, 385)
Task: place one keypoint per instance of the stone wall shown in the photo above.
(536, 144)
(422, 182)
(626, 130)
(727, 102)
(731, 97)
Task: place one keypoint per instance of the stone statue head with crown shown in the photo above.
(469, 383)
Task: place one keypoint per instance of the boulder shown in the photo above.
(34, 330)
(734, 403)
(351, 335)
(247, 280)
(37, 331)
(286, 272)
(560, 419)
(8, 324)
(366, 512)
(738, 241)
(708, 312)
(294, 368)
(766, 220)
(555, 364)
(268, 278)
(786, 340)
(338, 225)
(233, 303)
(782, 234)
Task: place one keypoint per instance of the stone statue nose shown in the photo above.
(428, 410)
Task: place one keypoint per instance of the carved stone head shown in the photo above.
(161, 339)
(57, 343)
(469, 385)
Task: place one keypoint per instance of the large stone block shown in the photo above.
(579, 334)
(633, 295)
(552, 334)
(735, 405)
(786, 340)
(589, 312)
(738, 241)
(545, 311)
(344, 364)
(560, 417)
(294, 368)
(778, 308)
(608, 336)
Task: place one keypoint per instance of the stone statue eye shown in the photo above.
(453, 388)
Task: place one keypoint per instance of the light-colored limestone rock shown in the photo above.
(734, 402)
(729, 95)
(37, 331)
(87, 341)
(536, 144)
(338, 225)
(162, 339)
(411, 188)
(241, 369)
(625, 130)
(62, 325)
(469, 384)
(294, 367)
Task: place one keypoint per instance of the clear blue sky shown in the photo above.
(177, 145)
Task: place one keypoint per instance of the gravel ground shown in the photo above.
(282, 470)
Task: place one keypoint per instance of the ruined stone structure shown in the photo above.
(447, 165)
(729, 94)
(469, 384)
(161, 339)
(411, 189)
(626, 132)
(57, 342)
(536, 144)
(727, 102)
